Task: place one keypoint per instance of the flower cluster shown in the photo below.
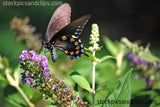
(63, 95)
(36, 68)
(138, 63)
(25, 32)
(94, 38)
(36, 72)
(147, 70)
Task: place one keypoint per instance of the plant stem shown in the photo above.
(93, 79)
(15, 83)
(94, 38)
(24, 96)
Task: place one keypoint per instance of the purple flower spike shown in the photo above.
(36, 73)
(35, 66)
(129, 55)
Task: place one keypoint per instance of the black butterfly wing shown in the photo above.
(74, 28)
(67, 39)
(59, 20)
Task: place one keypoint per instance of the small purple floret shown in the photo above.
(54, 86)
(46, 74)
(136, 59)
(64, 91)
(24, 52)
(32, 53)
(23, 81)
(29, 80)
(129, 55)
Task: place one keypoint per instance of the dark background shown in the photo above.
(135, 19)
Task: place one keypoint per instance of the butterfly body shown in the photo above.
(65, 35)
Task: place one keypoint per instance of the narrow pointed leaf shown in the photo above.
(121, 94)
(110, 45)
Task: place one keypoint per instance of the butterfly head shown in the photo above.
(46, 45)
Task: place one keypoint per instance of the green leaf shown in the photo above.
(3, 79)
(105, 58)
(5, 62)
(147, 47)
(70, 71)
(91, 57)
(13, 97)
(80, 80)
(99, 96)
(121, 94)
(36, 97)
(147, 57)
(156, 102)
(110, 46)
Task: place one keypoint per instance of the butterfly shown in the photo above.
(63, 34)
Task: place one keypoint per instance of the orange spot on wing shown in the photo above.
(77, 52)
(66, 51)
(77, 47)
(72, 39)
(75, 43)
(72, 53)
(63, 37)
